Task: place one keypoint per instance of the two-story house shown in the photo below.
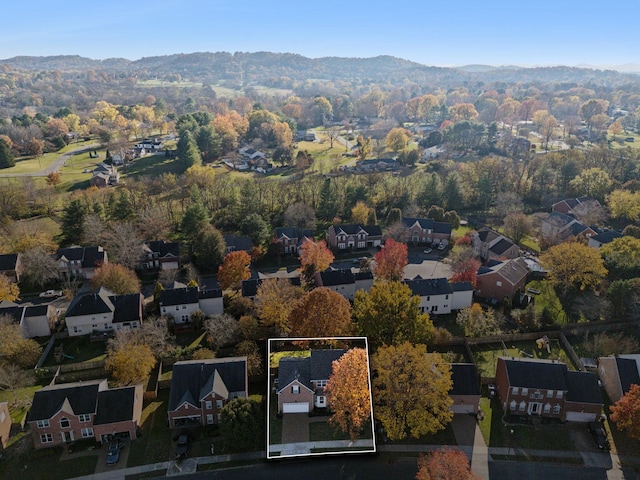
(344, 281)
(34, 320)
(438, 296)
(290, 239)
(301, 381)
(342, 237)
(618, 374)
(11, 266)
(236, 243)
(425, 231)
(181, 302)
(73, 411)
(80, 262)
(502, 279)
(201, 388)
(547, 388)
(491, 245)
(573, 206)
(160, 255)
(104, 311)
(556, 227)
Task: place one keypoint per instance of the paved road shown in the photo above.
(56, 164)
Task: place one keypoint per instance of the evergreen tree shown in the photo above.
(6, 157)
(254, 226)
(431, 193)
(72, 227)
(452, 194)
(327, 207)
(188, 153)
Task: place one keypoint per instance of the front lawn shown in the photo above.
(155, 443)
(442, 437)
(23, 461)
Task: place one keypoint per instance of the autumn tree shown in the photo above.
(8, 290)
(117, 278)
(249, 349)
(347, 392)
(389, 314)
(624, 204)
(130, 364)
(314, 257)
(241, 423)
(321, 313)
(14, 378)
(300, 215)
(364, 147)
(274, 300)
(477, 322)
(234, 269)
(411, 390)
(517, 226)
(53, 179)
(14, 348)
(391, 260)
(445, 464)
(573, 264)
(592, 182)
(466, 271)
(626, 412)
(397, 139)
(360, 213)
(622, 254)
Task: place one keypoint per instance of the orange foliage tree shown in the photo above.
(467, 271)
(445, 464)
(117, 278)
(321, 313)
(314, 257)
(348, 392)
(234, 269)
(626, 412)
(391, 260)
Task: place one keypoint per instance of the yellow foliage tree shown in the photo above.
(131, 363)
(14, 348)
(8, 290)
(360, 213)
(574, 264)
(274, 300)
(624, 204)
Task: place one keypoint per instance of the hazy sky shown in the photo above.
(452, 32)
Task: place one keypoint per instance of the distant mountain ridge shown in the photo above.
(244, 67)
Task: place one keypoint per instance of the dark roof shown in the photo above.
(486, 235)
(461, 286)
(363, 275)
(354, 228)
(13, 311)
(127, 307)
(493, 262)
(91, 303)
(8, 261)
(331, 278)
(465, 379)
(502, 246)
(191, 380)
(82, 397)
(607, 237)
(89, 256)
(36, 310)
(179, 296)
(210, 293)
(583, 387)
(115, 405)
(293, 232)
(294, 368)
(429, 286)
(628, 372)
(482, 270)
(321, 363)
(428, 224)
(543, 374)
(164, 249)
(577, 228)
(250, 287)
(237, 242)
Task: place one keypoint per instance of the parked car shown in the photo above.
(442, 246)
(51, 294)
(183, 447)
(113, 452)
(599, 435)
(428, 250)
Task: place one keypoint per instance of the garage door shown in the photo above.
(581, 417)
(462, 408)
(301, 407)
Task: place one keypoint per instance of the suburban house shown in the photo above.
(618, 374)
(149, 144)
(301, 381)
(182, 302)
(34, 320)
(558, 226)
(201, 388)
(603, 237)
(490, 245)
(426, 231)
(344, 281)
(378, 165)
(11, 266)
(306, 135)
(502, 279)
(160, 255)
(74, 411)
(235, 243)
(547, 388)
(572, 206)
(5, 425)
(104, 311)
(465, 391)
(290, 239)
(80, 262)
(104, 175)
(354, 235)
(438, 296)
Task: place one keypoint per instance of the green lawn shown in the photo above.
(155, 443)
(80, 348)
(274, 360)
(23, 461)
(549, 300)
(30, 165)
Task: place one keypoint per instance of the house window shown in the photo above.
(559, 394)
(295, 389)
(184, 307)
(321, 401)
(498, 283)
(512, 406)
(549, 393)
(219, 404)
(177, 307)
(446, 297)
(556, 409)
(87, 432)
(515, 390)
(208, 404)
(43, 423)
(523, 406)
(547, 408)
(65, 423)
(46, 438)
(84, 417)
(209, 419)
(428, 299)
(525, 391)
(321, 383)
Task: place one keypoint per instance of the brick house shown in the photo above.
(424, 231)
(502, 279)
(571, 206)
(342, 237)
(301, 381)
(201, 388)
(73, 411)
(290, 239)
(547, 388)
(557, 227)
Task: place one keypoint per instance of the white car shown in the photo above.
(51, 294)
(442, 246)
(428, 250)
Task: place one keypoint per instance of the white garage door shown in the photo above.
(301, 407)
(462, 408)
(581, 417)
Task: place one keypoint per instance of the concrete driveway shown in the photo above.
(428, 269)
(295, 427)
(586, 445)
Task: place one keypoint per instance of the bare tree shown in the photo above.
(13, 378)
(300, 215)
(125, 244)
(222, 330)
(590, 212)
(167, 276)
(39, 266)
(333, 133)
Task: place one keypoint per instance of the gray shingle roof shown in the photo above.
(331, 278)
(115, 405)
(294, 368)
(583, 387)
(628, 372)
(90, 303)
(164, 249)
(429, 286)
(428, 224)
(465, 379)
(321, 363)
(179, 296)
(237, 242)
(536, 374)
(502, 246)
(8, 261)
(88, 256)
(82, 397)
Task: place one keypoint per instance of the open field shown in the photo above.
(31, 165)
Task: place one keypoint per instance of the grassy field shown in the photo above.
(547, 299)
(275, 357)
(30, 164)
